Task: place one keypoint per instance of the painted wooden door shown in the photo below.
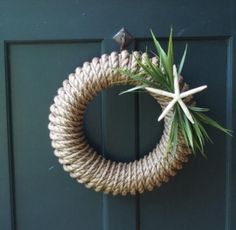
(41, 43)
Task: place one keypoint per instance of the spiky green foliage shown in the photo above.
(161, 77)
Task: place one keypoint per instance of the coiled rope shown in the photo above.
(83, 162)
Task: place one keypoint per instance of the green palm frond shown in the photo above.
(161, 77)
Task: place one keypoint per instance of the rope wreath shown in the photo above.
(83, 162)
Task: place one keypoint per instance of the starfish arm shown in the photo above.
(176, 82)
(167, 109)
(186, 111)
(193, 91)
(159, 92)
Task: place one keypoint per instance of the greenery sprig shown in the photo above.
(161, 77)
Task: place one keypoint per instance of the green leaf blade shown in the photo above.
(182, 60)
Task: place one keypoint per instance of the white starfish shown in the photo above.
(177, 96)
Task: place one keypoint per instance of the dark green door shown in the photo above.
(41, 43)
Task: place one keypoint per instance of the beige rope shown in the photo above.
(79, 159)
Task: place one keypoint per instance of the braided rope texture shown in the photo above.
(80, 160)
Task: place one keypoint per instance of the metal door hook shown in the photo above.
(123, 38)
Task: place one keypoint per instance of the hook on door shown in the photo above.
(123, 38)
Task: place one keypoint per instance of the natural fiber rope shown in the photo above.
(79, 159)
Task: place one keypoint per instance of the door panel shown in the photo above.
(201, 184)
(198, 191)
(41, 43)
(39, 193)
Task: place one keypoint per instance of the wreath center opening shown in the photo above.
(123, 128)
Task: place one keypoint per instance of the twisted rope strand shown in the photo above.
(79, 159)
